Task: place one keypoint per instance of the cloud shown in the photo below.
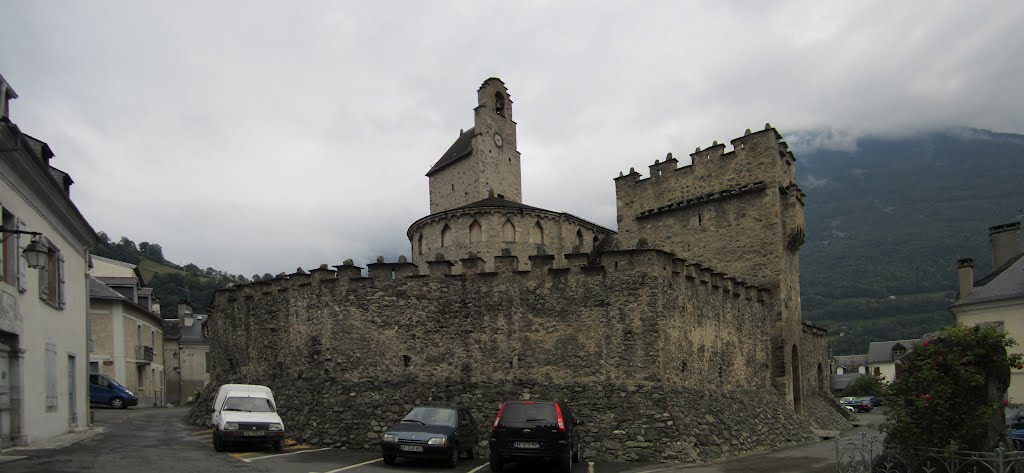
(257, 136)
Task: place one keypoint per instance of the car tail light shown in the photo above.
(561, 420)
(498, 417)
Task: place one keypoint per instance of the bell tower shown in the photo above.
(483, 162)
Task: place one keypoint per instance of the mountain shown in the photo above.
(888, 217)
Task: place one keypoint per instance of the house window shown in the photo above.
(420, 244)
(878, 371)
(898, 351)
(475, 232)
(840, 370)
(579, 240)
(141, 371)
(51, 277)
(508, 231)
(499, 104)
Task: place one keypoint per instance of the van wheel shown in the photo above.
(278, 446)
(566, 466)
(496, 464)
(118, 403)
(218, 444)
(471, 453)
(389, 459)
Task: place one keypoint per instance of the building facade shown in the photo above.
(44, 311)
(126, 333)
(186, 345)
(998, 298)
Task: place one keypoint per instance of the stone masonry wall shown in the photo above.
(666, 360)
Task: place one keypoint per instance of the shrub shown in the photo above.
(865, 385)
(950, 392)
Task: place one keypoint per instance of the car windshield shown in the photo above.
(431, 416)
(248, 404)
(528, 415)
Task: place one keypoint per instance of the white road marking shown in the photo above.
(659, 469)
(474, 470)
(289, 453)
(590, 467)
(353, 466)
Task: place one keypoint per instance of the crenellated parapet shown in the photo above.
(650, 261)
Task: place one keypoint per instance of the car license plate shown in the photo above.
(526, 444)
(253, 433)
(410, 448)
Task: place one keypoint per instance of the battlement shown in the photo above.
(650, 261)
(755, 156)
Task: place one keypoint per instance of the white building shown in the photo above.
(43, 312)
(998, 298)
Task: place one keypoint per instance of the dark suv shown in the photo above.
(535, 431)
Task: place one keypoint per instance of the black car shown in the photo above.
(431, 433)
(535, 431)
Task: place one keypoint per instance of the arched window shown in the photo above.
(499, 104)
(537, 235)
(475, 233)
(579, 240)
(596, 239)
(446, 236)
(419, 244)
(508, 231)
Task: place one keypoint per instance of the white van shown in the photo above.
(246, 413)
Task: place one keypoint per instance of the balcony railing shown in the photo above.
(143, 352)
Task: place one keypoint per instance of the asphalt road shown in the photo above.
(158, 441)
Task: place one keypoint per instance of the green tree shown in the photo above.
(950, 392)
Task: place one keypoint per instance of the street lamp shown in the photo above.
(36, 253)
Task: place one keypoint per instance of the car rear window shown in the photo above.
(528, 415)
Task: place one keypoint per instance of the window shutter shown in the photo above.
(44, 280)
(3, 244)
(51, 375)
(60, 280)
(20, 257)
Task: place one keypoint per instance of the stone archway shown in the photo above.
(795, 365)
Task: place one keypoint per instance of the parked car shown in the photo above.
(874, 400)
(857, 404)
(246, 414)
(106, 391)
(431, 433)
(535, 431)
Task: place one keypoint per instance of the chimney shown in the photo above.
(1005, 240)
(185, 314)
(6, 94)
(965, 274)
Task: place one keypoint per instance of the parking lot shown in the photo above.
(158, 441)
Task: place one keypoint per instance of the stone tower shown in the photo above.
(483, 162)
(740, 212)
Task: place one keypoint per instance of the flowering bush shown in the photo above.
(950, 391)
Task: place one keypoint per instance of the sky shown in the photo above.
(261, 136)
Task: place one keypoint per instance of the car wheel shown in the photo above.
(566, 465)
(278, 446)
(118, 403)
(389, 459)
(576, 455)
(218, 443)
(471, 453)
(496, 464)
(453, 457)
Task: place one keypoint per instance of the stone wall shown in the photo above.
(668, 360)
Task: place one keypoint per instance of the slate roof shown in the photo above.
(99, 290)
(850, 361)
(1005, 282)
(118, 281)
(881, 352)
(462, 147)
(175, 329)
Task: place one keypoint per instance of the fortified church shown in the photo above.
(677, 337)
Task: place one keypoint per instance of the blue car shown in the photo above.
(103, 390)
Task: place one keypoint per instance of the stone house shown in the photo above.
(998, 297)
(125, 331)
(43, 304)
(849, 364)
(186, 345)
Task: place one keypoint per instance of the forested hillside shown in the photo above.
(887, 222)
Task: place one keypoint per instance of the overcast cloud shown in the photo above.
(257, 136)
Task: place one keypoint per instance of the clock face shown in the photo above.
(497, 140)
